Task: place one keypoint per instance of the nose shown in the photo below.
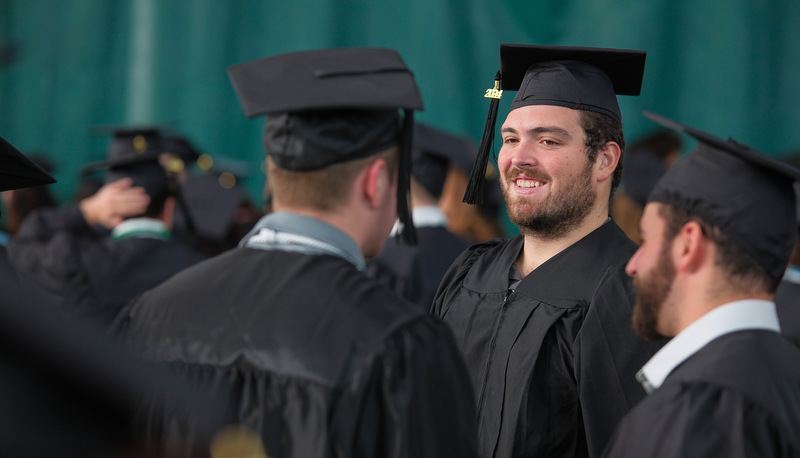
(630, 268)
(521, 156)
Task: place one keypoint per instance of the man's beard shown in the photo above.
(559, 213)
(651, 293)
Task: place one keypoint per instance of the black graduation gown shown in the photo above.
(414, 271)
(94, 275)
(553, 362)
(68, 390)
(312, 354)
(738, 396)
(787, 302)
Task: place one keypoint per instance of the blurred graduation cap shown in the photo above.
(18, 171)
(213, 194)
(333, 105)
(434, 152)
(640, 175)
(746, 193)
(135, 152)
(212, 201)
(566, 76)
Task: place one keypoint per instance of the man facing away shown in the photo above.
(69, 390)
(717, 233)
(70, 252)
(315, 357)
(543, 319)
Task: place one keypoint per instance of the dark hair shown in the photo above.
(744, 273)
(156, 205)
(601, 129)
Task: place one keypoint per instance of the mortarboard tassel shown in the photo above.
(474, 192)
(409, 233)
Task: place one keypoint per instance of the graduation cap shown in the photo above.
(333, 105)
(744, 192)
(135, 152)
(180, 148)
(211, 205)
(642, 171)
(573, 77)
(18, 171)
(433, 153)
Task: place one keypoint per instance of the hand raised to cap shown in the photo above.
(114, 202)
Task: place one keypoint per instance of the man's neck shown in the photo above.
(536, 250)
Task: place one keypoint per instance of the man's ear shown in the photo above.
(607, 160)
(691, 248)
(374, 182)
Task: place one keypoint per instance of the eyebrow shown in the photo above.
(540, 130)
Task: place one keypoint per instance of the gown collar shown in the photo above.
(566, 279)
(141, 228)
(285, 231)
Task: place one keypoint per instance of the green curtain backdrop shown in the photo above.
(66, 66)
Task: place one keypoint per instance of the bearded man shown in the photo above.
(717, 233)
(543, 319)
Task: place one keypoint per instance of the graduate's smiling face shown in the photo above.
(545, 173)
(653, 272)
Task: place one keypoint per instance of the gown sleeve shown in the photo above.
(412, 398)
(47, 249)
(454, 276)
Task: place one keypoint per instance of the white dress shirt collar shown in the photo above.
(725, 319)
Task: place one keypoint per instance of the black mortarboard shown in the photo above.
(567, 76)
(434, 151)
(134, 152)
(744, 192)
(212, 205)
(333, 105)
(642, 171)
(18, 171)
(179, 147)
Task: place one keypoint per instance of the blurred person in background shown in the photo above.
(220, 212)
(97, 255)
(414, 271)
(647, 159)
(478, 222)
(18, 203)
(66, 389)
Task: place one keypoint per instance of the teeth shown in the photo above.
(528, 184)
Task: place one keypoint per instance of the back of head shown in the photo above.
(333, 106)
(144, 156)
